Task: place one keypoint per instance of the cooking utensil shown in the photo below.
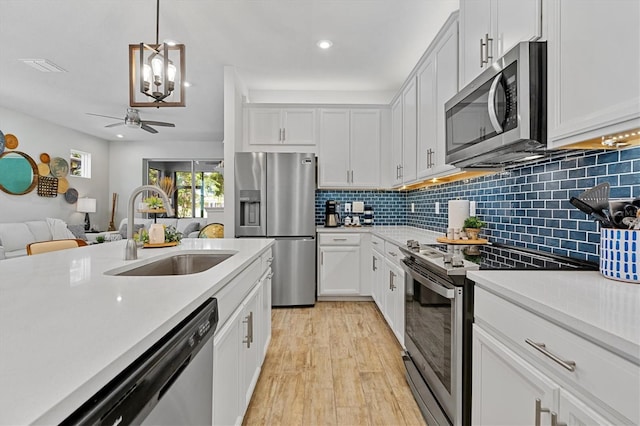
(595, 202)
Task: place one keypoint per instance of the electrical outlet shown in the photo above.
(437, 207)
(347, 207)
(472, 208)
(413, 208)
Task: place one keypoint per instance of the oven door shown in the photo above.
(433, 337)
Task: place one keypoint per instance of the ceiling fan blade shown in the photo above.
(106, 116)
(114, 125)
(158, 123)
(148, 129)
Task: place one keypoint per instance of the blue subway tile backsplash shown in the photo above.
(526, 206)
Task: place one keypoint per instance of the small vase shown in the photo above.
(472, 233)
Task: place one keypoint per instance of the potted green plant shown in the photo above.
(153, 202)
(100, 239)
(472, 226)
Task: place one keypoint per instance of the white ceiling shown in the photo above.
(271, 43)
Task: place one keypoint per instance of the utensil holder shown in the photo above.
(620, 254)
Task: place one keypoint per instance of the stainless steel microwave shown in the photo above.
(500, 117)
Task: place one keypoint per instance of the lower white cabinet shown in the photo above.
(339, 265)
(387, 282)
(239, 345)
(527, 370)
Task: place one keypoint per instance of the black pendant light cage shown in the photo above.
(156, 72)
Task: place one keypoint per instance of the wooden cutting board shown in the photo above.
(465, 242)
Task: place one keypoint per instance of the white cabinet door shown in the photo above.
(573, 412)
(339, 270)
(365, 148)
(251, 353)
(505, 387)
(427, 116)
(593, 69)
(265, 313)
(396, 141)
(475, 27)
(489, 28)
(264, 126)
(393, 285)
(409, 132)
(377, 273)
(276, 126)
(298, 126)
(333, 161)
(226, 372)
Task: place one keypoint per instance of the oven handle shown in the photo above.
(440, 289)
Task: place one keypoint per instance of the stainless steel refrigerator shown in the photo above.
(275, 198)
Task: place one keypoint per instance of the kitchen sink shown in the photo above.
(177, 264)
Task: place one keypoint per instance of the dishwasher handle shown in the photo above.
(131, 395)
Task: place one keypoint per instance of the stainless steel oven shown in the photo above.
(439, 319)
(433, 339)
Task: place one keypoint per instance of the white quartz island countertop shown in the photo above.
(604, 311)
(66, 328)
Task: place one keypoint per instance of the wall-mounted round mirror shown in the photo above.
(18, 173)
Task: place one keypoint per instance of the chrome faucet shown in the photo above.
(131, 249)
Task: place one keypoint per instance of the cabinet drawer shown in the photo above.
(392, 252)
(377, 242)
(339, 239)
(232, 294)
(598, 372)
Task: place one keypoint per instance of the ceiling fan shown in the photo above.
(132, 119)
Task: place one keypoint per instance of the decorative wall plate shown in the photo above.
(71, 196)
(1, 141)
(63, 185)
(44, 157)
(59, 167)
(10, 141)
(43, 169)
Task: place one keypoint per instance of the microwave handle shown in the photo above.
(497, 126)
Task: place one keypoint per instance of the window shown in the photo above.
(80, 164)
(199, 184)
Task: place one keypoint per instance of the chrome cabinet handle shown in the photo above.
(554, 420)
(541, 347)
(284, 134)
(347, 176)
(481, 52)
(270, 261)
(249, 337)
(484, 44)
(339, 239)
(539, 411)
(270, 275)
(393, 254)
(375, 267)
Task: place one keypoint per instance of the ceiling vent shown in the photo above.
(43, 65)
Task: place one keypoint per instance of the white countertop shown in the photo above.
(395, 234)
(66, 328)
(604, 311)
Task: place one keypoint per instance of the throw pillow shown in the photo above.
(59, 230)
(192, 227)
(136, 228)
(78, 231)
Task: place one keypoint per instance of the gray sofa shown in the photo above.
(15, 236)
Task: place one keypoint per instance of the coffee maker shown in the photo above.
(331, 215)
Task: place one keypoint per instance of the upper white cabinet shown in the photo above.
(437, 83)
(593, 68)
(396, 141)
(409, 131)
(349, 148)
(276, 126)
(489, 28)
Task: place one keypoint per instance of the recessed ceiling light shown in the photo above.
(324, 44)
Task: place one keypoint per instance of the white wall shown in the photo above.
(125, 164)
(36, 136)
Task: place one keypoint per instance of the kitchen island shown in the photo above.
(67, 328)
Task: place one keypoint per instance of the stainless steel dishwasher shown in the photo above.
(171, 383)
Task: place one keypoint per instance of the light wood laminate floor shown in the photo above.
(337, 363)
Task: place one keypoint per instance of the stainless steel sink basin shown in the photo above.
(178, 264)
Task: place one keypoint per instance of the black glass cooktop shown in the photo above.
(499, 256)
